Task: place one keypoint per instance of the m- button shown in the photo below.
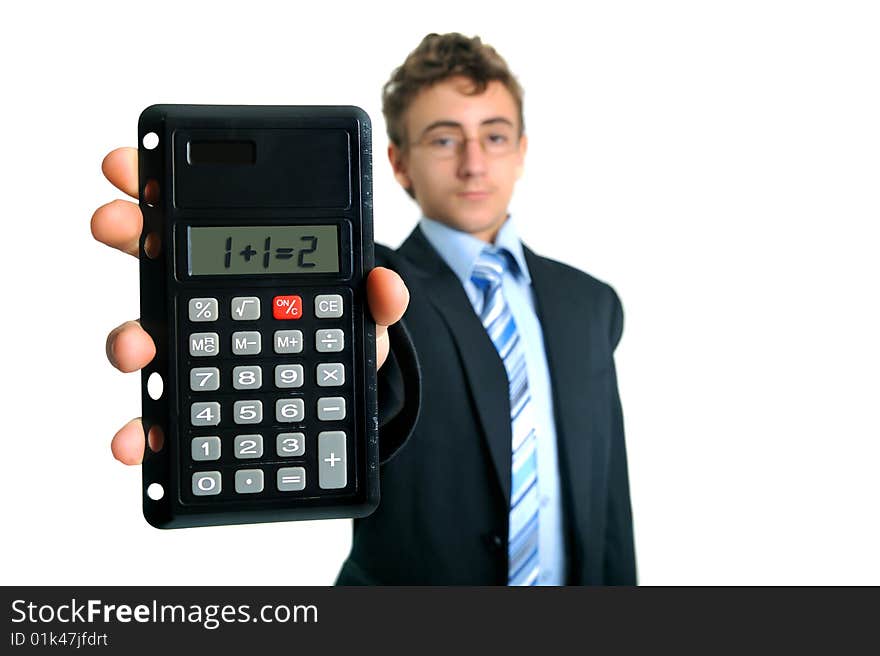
(328, 306)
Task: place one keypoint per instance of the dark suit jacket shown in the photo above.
(445, 433)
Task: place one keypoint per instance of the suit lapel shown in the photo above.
(483, 367)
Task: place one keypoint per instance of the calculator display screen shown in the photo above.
(249, 250)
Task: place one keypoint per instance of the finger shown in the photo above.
(119, 224)
(128, 443)
(120, 168)
(388, 298)
(129, 347)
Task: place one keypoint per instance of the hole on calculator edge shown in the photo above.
(155, 491)
(156, 438)
(155, 386)
(153, 245)
(151, 192)
(151, 140)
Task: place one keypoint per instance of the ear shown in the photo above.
(398, 165)
(523, 147)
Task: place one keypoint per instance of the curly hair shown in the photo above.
(438, 57)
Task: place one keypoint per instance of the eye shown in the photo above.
(443, 142)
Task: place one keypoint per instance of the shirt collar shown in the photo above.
(460, 250)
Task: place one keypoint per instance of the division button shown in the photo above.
(331, 408)
(291, 479)
(206, 483)
(328, 306)
(331, 460)
(329, 341)
(203, 309)
(245, 308)
(249, 481)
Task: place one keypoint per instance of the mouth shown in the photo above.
(473, 195)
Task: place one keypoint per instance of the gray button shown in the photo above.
(245, 308)
(291, 479)
(206, 448)
(328, 306)
(331, 460)
(329, 341)
(331, 374)
(203, 344)
(247, 377)
(203, 309)
(246, 342)
(248, 412)
(289, 445)
(289, 375)
(248, 446)
(331, 408)
(206, 483)
(248, 481)
(205, 414)
(289, 410)
(204, 379)
(288, 341)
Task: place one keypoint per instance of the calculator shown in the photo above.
(260, 404)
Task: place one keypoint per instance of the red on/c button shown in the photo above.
(287, 307)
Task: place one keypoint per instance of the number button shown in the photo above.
(331, 408)
(288, 375)
(247, 378)
(245, 308)
(248, 446)
(203, 309)
(247, 342)
(288, 341)
(248, 412)
(331, 374)
(328, 306)
(206, 483)
(203, 344)
(329, 341)
(249, 481)
(291, 479)
(289, 445)
(205, 414)
(204, 379)
(289, 410)
(206, 448)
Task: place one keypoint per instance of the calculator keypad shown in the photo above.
(270, 407)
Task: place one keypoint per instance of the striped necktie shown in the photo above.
(522, 551)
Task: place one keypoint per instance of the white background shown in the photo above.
(717, 163)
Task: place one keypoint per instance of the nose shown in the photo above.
(473, 159)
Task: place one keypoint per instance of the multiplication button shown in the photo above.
(331, 374)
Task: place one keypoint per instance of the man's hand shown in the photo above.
(130, 348)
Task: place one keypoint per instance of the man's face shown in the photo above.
(462, 155)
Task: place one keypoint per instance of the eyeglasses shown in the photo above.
(449, 142)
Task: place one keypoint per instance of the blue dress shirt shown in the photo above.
(460, 250)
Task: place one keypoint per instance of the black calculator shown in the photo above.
(260, 404)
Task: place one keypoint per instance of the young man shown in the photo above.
(501, 429)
